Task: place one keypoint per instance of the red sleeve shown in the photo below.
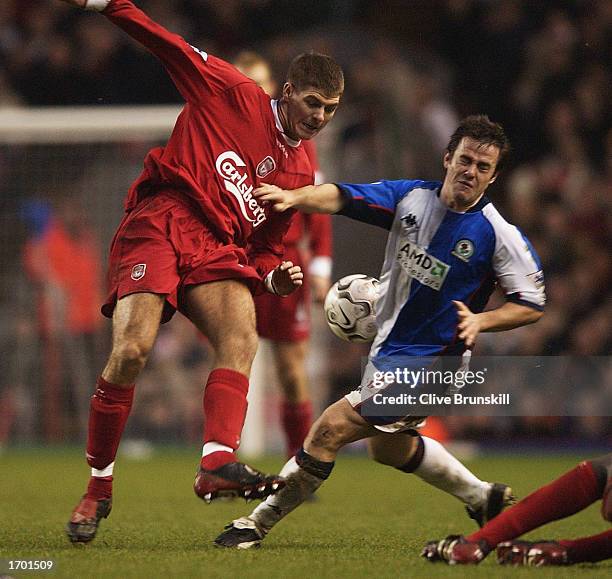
(265, 249)
(319, 227)
(195, 73)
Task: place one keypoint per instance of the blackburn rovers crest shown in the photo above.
(464, 249)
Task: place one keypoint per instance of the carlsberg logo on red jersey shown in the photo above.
(236, 180)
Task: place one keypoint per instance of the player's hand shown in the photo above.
(286, 278)
(77, 3)
(281, 199)
(468, 327)
(319, 286)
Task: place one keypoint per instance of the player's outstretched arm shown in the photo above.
(311, 199)
(506, 317)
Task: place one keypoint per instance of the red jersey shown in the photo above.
(226, 141)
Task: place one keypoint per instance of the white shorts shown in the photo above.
(390, 424)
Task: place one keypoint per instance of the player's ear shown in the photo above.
(447, 159)
(287, 89)
(493, 179)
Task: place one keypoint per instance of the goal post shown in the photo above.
(67, 125)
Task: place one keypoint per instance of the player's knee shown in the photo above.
(130, 354)
(394, 454)
(606, 505)
(385, 457)
(331, 431)
(602, 466)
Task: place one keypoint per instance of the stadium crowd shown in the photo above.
(541, 69)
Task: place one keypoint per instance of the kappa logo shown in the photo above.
(236, 180)
(464, 249)
(409, 220)
(537, 278)
(138, 271)
(410, 227)
(265, 167)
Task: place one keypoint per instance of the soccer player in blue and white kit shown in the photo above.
(447, 249)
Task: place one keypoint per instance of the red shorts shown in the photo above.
(285, 319)
(163, 246)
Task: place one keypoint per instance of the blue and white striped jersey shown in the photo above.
(435, 255)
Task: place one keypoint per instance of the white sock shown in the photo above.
(210, 447)
(107, 471)
(442, 470)
(299, 486)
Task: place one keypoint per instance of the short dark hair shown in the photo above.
(483, 131)
(312, 69)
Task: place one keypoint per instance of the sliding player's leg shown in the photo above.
(430, 461)
(553, 553)
(136, 321)
(565, 496)
(224, 312)
(581, 487)
(304, 473)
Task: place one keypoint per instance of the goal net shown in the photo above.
(64, 174)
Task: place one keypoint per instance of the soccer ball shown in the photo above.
(350, 308)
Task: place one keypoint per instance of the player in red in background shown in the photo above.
(195, 239)
(590, 481)
(62, 260)
(286, 322)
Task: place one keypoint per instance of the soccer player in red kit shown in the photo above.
(195, 239)
(578, 488)
(286, 321)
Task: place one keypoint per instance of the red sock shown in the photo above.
(225, 407)
(100, 487)
(296, 419)
(570, 493)
(591, 549)
(108, 412)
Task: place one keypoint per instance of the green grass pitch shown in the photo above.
(370, 521)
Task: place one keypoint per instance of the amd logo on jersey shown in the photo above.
(422, 266)
(236, 180)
